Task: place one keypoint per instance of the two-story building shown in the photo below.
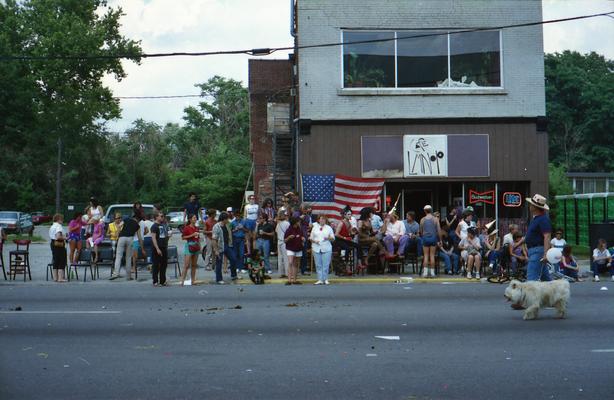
(433, 96)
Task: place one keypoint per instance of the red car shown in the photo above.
(40, 217)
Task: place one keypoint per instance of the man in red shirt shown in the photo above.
(208, 231)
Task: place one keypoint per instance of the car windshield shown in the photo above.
(175, 214)
(8, 215)
(127, 212)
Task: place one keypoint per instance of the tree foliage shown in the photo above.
(580, 107)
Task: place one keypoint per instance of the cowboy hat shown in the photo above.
(538, 201)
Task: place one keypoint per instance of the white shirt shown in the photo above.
(353, 222)
(321, 238)
(396, 230)
(95, 213)
(463, 229)
(508, 238)
(281, 229)
(55, 228)
(251, 211)
(559, 244)
(601, 254)
(146, 224)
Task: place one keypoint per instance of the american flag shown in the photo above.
(329, 194)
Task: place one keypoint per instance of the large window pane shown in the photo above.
(475, 59)
(422, 61)
(368, 64)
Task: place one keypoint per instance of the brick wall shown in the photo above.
(321, 21)
(269, 81)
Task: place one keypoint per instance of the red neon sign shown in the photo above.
(481, 197)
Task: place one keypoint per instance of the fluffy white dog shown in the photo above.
(535, 295)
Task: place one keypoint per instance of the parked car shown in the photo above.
(175, 219)
(16, 222)
(39, 217)
(125, 210)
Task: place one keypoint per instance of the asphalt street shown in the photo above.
(455, 341)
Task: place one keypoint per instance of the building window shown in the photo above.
(369, 64)
(588, 186)
(422, 59)
(600, 185)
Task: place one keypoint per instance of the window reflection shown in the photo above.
(422, 61)
(475, 59)
(368, 64)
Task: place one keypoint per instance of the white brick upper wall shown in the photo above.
(321, 21)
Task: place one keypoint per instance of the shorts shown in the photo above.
(136, 246)
(186, 250)
(429, 241)
(294, 253)
(250, 224)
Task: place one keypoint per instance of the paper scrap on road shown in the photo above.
(371, 355)
(84, 360)
(602, 351)
(389, 337)
(187, 282)
(202, 292)
(43, 355)
(407, 287)
(448, 283)
(603, 288)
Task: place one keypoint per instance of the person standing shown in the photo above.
(538, 238)
(191, 250)
(95, 212)
(282, 255)
(250, 216)
(190, 208)
(464, 224)
(124, 245)
(74, 236)
(294, 248)
(558, 242)
(268, 209)
(321, 238)
(238, 241)
(305, 218)
(58, 248)
(208, 230)
(265, 231)
(222, 246)
(430, 231)
(159, 237)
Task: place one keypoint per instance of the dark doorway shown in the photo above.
(415, 200)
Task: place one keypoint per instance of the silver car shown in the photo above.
(16, 222)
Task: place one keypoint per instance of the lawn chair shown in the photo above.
(85, 262)
(105, 259)
(173, 258)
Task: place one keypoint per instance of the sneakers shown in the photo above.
(425, 272)
(469, 275)
(269, 272)
(477, 275)
(318, 283)
(326, 282)
(612, 278)
(449, 272)
(596, 278)
(431, 272)
(221, 282)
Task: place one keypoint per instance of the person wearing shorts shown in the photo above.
(430, 231)
(295, 240)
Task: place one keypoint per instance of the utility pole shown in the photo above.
(58, 178)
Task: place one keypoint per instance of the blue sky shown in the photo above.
(204, 25)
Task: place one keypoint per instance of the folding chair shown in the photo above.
(19, 259)
(105, 259)
(85, 262)
(173, 258)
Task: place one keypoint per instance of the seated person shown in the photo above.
(412, 230)
(344, 236)
(601, 260)
(255, 265)
(569, 265)
(394, 233)
(518, 252)
(492, 246)
(470, 252)
(557, 241)
(447, 254)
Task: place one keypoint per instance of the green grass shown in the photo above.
(33, 238)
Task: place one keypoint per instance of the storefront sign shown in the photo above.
(512, 199)
(481, 197)
(425, 155)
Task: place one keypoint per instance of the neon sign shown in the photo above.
(481, 197)
(512, 199)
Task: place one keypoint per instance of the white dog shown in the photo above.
(535, 295)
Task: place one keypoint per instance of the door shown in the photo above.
(415, 200)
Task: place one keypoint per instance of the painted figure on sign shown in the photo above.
(427, 157)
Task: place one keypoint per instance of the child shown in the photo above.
(96, 238)
(601, 259)
(558, 241)
(569, 265)
(518, 252)
(255, 265)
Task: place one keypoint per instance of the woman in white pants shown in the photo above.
(321, 237)
(282, 255)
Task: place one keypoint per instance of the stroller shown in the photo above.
(256, 268)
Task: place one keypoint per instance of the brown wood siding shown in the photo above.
(517, 151)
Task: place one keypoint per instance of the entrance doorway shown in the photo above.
(415, 200)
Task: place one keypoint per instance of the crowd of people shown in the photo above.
(243, 241)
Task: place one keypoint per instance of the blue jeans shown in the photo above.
(229, 252)
(322, 261)
(304, 258)
(536, 270)
(415, 241)
(264, 247)
(493, 257)
(446, 260)
(238, 244)
(595, 267)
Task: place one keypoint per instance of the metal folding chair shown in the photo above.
(85, 262)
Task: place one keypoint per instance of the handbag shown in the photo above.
(193, 247)
(58, 243)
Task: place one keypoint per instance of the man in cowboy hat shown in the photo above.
(537, 239)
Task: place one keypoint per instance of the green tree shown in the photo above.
(580, 107)
(44, 100)
(558, 184)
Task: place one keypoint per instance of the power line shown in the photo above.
(267, 50)
(158, 97)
